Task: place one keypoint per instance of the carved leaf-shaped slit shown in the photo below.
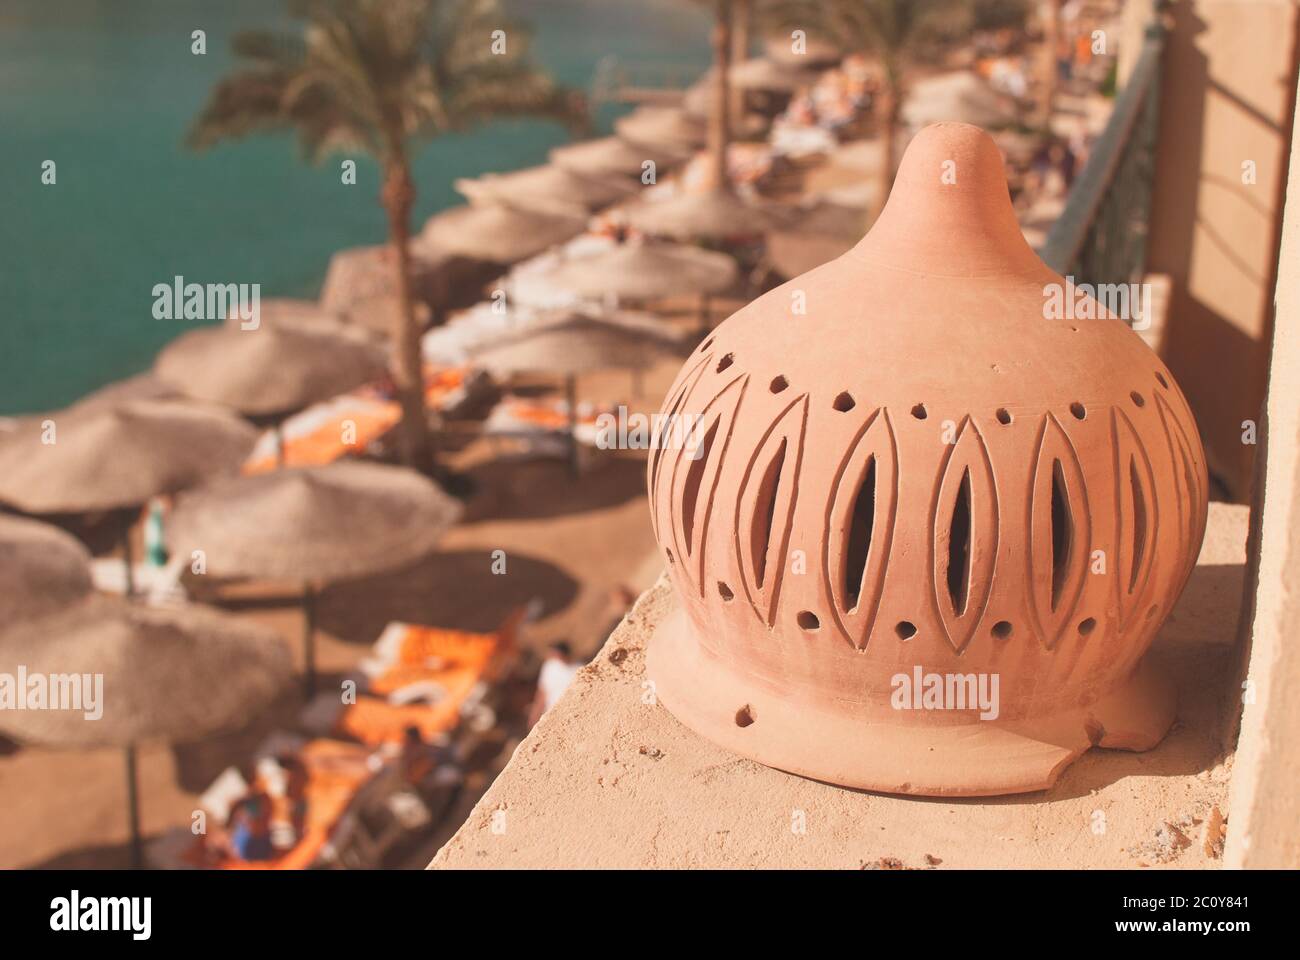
(1187, 503)
(691, 490)
(760, 535)
(964, 525)
(1139, 523)
(861, 523)
(1060, 532)
(959, 548)
(860, 528)
(765, 509)
(670, 430)
(1136, 518)
(694, 479)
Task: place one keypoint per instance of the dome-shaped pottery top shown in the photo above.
(904, 460)
(944, 286)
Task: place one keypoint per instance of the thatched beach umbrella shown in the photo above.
(99, 458)
(303, 316)
(818, 235)
(289, 313)
(313, 524)
(960, 95)
(498, 233)
(107, 458)
(614, 156)
(713, 215)
(814, 52)
(670, 126)
(546, 189)
(764, 73)
(359, 275)
(42, 569)
(377, 318)
(758, 74)
(172, 673)
(269, 371)
(647, 271)
(569, 345)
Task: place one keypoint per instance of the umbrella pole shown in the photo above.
(133, 808)
(309, 639)
(280, 454)
(126, 559)
(571, 393)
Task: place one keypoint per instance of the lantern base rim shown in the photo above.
(978, 758)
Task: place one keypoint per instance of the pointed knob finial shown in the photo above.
(949, 212)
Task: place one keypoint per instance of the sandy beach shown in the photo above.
(568, 542)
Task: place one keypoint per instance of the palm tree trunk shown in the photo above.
(740, 40)
(720, 122)
(408, 377)
(890, 117)
(1050, 11)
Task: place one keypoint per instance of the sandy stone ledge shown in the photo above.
(606, 780)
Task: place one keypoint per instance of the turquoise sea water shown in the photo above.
(107, 88)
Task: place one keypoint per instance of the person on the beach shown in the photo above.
(295, 792)
(418, 759)
(558, 671)
(250, 823)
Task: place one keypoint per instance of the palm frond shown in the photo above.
(371, 74)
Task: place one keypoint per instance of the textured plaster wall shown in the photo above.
(1227, 98)
(1265, 826)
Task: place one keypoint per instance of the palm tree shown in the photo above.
(892, 30)
(371, 76)
(720, 116)
(1049, 14)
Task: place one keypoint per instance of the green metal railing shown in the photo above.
(1101, 235)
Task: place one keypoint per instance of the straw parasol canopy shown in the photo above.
(360, 274)
(132, 672)
(758, 74)
(962, 96)
(816, 51)
(111, 457)
(313, 524)
(613, 156)
(498, 233)
(672, 126)
(546, 189)
(647, 271)
(178, 673)
(454, 343)
(266, 371)
(342, 520)
(307, 316)
(825, 231)
(764, 73)
(42, 569)
(379, 317)
(863, 157)
(714, 215)
(570, 344)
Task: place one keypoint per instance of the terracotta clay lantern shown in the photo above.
(920, 530)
